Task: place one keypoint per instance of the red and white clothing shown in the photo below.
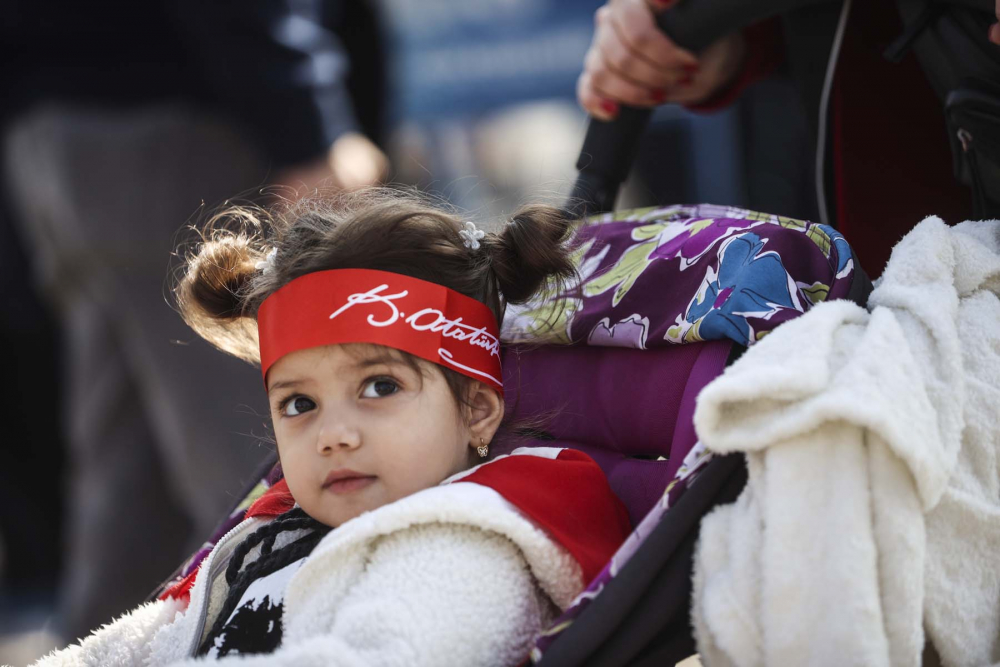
(464, 573)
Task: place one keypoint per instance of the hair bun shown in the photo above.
(210, 295)
(530, 251)
(220, 271)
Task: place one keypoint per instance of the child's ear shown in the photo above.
(485, 413)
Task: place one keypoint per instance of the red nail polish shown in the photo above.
(690, 68)
(658, 96)
(666, 4)
(609, 106)
(687, 80)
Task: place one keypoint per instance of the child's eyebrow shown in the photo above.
(379, 359)
(283, 384)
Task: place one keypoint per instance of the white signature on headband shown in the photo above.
(450, 358)
(427, 319)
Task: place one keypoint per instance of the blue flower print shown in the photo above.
(749, 283)
(844, 256)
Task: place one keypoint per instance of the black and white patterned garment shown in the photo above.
(255, 625)
(258, 575)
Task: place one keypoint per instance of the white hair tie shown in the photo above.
(471, 236)
(266, 265)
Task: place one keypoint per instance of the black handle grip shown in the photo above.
(610, 147)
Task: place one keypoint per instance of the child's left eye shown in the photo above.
(379, 388)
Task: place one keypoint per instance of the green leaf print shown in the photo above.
(684, 331)
(699, 225)
(627, 270)
(546, 323)
(820, 238)
(791, 223)
(816, 293)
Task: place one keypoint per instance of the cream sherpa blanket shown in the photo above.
(872, 510)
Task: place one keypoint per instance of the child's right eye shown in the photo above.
(297, 405)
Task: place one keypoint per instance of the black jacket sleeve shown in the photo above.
(273, 65)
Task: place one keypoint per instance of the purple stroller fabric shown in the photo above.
(576, 390)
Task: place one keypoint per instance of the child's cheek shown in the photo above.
(407, 474)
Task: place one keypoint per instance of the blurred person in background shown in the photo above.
(880, 144)
(118, 121)
(31, 498)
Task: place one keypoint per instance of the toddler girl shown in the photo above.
(374, 319)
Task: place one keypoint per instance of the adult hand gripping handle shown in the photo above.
(609, 148)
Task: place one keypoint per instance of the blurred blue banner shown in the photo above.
(457, 58)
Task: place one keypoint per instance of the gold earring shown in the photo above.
(483, 449)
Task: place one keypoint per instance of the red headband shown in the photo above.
(425, 319)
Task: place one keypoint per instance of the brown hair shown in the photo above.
(403, 232)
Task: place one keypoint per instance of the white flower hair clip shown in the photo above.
(266, 265)
(471, 236)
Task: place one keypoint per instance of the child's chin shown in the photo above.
(334, 519)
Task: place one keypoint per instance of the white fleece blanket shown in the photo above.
(873, 503)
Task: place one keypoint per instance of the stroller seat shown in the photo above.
(574, 390)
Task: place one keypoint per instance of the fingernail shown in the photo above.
(609, 106)
(658, 96)
(691, 68)
(666, 4)
(686, 80)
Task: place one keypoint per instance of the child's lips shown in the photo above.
(349, 485)
(347, 481)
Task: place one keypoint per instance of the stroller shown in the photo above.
(667, 299)
(621, 344)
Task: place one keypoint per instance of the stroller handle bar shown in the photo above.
(610, 147)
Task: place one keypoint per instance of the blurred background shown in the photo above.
(482, 110)
(120, 125)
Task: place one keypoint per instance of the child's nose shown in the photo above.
(337, 433)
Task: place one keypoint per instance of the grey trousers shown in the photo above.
(162, 427)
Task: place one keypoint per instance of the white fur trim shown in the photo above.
(472, 505)
(122, 643)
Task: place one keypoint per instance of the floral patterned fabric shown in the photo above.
(666, 276)
(683, 274)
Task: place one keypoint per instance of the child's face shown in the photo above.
(357, 428)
